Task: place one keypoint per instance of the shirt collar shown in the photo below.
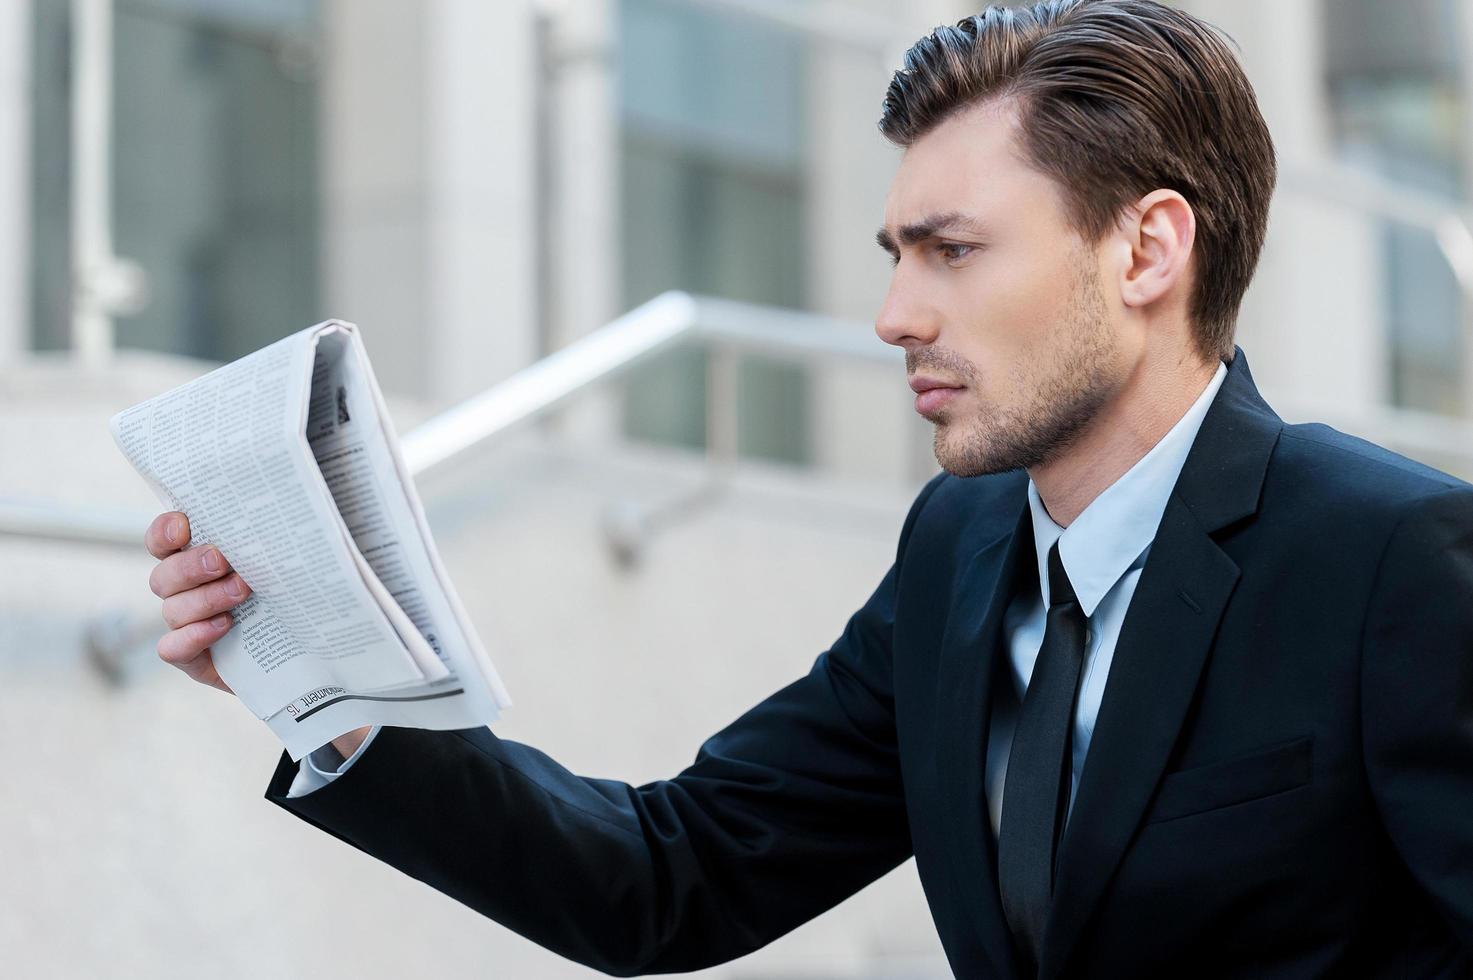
(1115, 531)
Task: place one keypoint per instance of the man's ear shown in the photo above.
(1159, 231)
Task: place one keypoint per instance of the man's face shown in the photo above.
(995, 299)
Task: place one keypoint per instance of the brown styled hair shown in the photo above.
(1115, 98)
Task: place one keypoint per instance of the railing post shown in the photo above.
(92, 328)
(103, 285)
(723, 408)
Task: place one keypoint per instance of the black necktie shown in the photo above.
(1036, 791)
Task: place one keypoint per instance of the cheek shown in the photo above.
(1016, 290)
(1004, 310)
(1009, 321)
(1017, 331)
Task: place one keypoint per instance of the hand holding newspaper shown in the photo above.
(286, 461)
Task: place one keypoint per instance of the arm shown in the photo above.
(787, 811)
(1417, 699)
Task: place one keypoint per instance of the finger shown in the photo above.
(205, 601)
(200, 564)
(202, 670)
(167, 534)
(180, 646)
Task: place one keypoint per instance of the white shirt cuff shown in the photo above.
(323, 765)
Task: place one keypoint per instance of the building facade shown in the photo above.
(477, 185)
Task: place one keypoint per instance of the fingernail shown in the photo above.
(211, 560)
(235, 587)
(221, 621)
(176, 530)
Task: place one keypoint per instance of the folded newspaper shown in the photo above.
(286, 460)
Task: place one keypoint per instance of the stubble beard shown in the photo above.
(1062, 394)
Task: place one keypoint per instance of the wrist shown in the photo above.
(349, 742)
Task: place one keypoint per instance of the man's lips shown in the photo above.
(921, 382)
(932, 393)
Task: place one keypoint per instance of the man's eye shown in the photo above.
(951, 251)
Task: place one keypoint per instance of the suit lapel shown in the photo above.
(972, 650)
(1162, 649)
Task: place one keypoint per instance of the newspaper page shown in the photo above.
(352, 439)
(286, 460)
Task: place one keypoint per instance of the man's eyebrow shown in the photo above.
(932, 224)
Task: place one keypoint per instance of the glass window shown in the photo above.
(215, 154)
(712, 112)
(1396, 90)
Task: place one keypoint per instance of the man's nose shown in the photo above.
(905, 318)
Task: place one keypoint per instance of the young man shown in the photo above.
(1157, 685)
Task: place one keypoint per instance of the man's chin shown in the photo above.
(962, 460)
(956, 460)
(970, 467)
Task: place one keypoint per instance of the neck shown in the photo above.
(1153, 398)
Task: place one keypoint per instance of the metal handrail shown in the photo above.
(664, 322)
(668, 319)
(69, 523)
(1447, 221)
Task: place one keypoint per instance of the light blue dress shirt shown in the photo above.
(322, 766)
(1103, 553)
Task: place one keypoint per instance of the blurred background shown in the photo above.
(658, 509)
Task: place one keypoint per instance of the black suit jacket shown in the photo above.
(1280, 782)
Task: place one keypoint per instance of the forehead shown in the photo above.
(970, 162)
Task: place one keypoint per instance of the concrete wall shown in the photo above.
(373, 172)
(428, 188)
(582, 280)
(863, 423)
(861, 419)
(481, 273)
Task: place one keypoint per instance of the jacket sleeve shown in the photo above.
(1417, 699)
(790, 809)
